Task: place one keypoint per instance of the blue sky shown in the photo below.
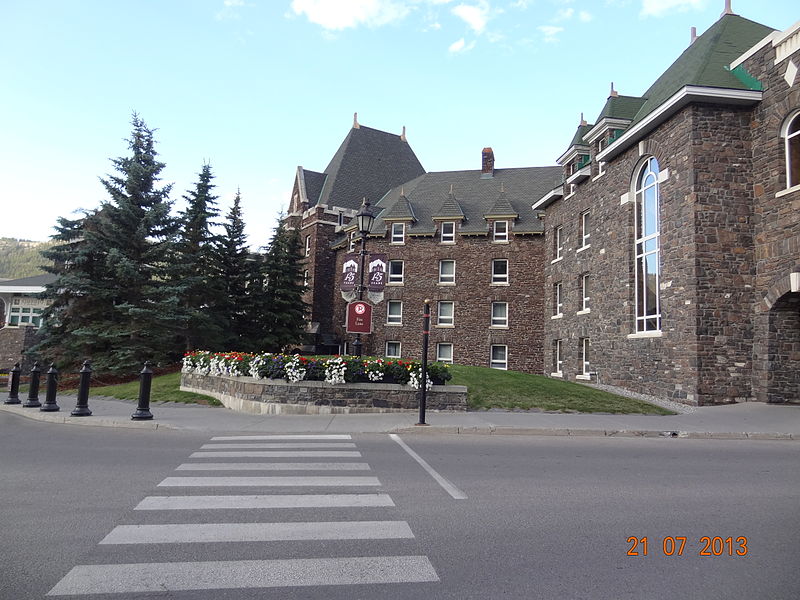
(258, 87)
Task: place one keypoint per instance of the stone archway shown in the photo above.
(783, 369)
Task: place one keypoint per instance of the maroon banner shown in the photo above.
(377, 272)
(359, 317)
(349, 273)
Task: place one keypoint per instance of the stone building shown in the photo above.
(672, 264)
(20, 317)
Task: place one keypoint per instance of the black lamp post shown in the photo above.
(364, 221)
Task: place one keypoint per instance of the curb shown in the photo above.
(66, 419)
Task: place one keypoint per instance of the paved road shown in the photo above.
(91, 509)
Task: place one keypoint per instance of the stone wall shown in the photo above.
(14, 341)
(272, 396)
(473, 293)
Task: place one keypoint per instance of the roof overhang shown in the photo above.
(549, 198)
(580, 174)
(603, 125)
(22, 289)
(682, 98)
(571, 153)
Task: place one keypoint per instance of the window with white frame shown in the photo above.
(499, 314)
(444, 352)
(583, 227)
(558, 357)
(393, 350)
(25, 316)
(398, 233)
(340, 221)
(447, 272)
(448, 232)
(558, 303)
(352, 246)
(305, 278)
(308, 245)
(557, 245)
(791, 134)
(500, 271)
(584, 349)
(499, 357)
(396, 271)
(446, 313)
(394, 312)
(585, 291)
(500, 231)
(648, 308)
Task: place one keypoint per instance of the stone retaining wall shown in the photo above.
(276, 396)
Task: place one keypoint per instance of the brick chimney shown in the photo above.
(487, 163)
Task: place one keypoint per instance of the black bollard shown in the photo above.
(143, 409)
(82, 407)
(52, 389)
(426, 329)
(13, 394)
(33, 389)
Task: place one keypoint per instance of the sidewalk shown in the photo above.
(737, 421)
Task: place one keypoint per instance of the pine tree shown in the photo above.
(284, 322)
(194, 268)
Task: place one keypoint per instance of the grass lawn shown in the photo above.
(492, 388)
(165, 388)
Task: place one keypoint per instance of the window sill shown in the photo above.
(794, 188)
(444, 326)
(644, 334)
(585, 311)
(498, 326)
(599, 175)
(582, 248)
(447, 243)
(558, 316)
(394, 324)
(557, 374)
(555, 260)
(446, 284)
(397, 243)
(500, 241)
(584, 377)
(499, 284)
(395, 284)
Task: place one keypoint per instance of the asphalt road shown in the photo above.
(541, 518)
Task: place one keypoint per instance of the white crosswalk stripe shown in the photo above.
(137, 578)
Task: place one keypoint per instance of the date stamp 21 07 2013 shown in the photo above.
(707, 546)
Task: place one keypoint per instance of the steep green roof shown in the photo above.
(706, 61)
(621, 107)
(577, 139)
(401, 211)
(450, 208)
(502, 207)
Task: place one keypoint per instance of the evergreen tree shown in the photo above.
(284, 321)
(194, 268)
(114, 299)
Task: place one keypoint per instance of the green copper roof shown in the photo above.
(577, 139)
(705, 62)
(621, 107)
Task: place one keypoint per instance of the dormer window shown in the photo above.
(500, 231)
(448, 232)
(341, 219)
(308, 245)
(398, 233)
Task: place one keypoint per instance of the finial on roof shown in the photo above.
(403, 135)
(402, 190)
(583, 121)
(692, 35)
(728, 10)
(613, 92)
(451, 189)
(355, 121)
(502, 188)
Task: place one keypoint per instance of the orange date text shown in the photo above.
(678, 545)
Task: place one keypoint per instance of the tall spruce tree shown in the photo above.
(115, 299)
(284, 321)
(194, 268)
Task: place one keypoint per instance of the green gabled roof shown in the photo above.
(449, 209)
(400, 211)
(577, 139)
(621, 107)
(706, 62)
(501, 207)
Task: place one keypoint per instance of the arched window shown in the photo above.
(647, 247)
(791, 133)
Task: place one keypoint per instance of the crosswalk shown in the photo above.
(179, 516)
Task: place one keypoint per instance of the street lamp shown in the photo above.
(364, 221)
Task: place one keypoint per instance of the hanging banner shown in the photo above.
(349, 273)
(359, 317)
(377, 272)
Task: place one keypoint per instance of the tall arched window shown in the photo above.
(791, 134)
(648, 307)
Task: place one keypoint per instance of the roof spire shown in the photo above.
(728, 10)
(403, 135)
(451, 189)
(402, 190)
(583, 121)
(692, 35)
(355, 121)
(502, 188)
(613, 92)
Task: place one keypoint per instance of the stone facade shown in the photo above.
(14, 341)
(271, 396)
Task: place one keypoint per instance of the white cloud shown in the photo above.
(564, 14)
(341, 14)
(550, 32)
(475, 15)
(585, 16)
(461, 46)
(659, 8)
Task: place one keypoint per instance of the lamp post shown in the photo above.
(364, 221)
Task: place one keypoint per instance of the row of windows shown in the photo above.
(446, 313)
(584, 235)
(584, 347)
(447, 232)
(498, 353)
(558, 296)
(25, 316)
(447, 271)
